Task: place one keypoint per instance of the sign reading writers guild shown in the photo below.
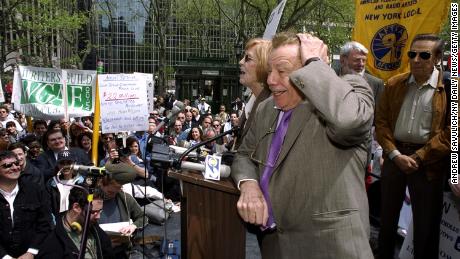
(39, 92)
(387, 28)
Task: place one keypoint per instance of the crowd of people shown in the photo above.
(45, 150)
(308, 134)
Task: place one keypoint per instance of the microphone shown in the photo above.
(178, 107)
(180, 150)
(224, 169)
(121, 172)
(89, 170)
(184, 154)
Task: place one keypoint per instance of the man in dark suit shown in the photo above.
(300, 166)
(24, 211)
(413, 127)
(353, 57)
(55, 142)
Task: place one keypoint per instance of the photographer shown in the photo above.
(120, 154)
(120, 206)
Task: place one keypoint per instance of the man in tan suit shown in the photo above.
(310, 200)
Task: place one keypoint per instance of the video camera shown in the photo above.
(122, 149)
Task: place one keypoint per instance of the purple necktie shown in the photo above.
(273, 153)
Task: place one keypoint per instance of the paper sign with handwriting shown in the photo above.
(123, 102)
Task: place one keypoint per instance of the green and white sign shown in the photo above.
(39, 92)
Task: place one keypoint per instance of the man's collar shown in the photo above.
(13, 192)
(432, 81)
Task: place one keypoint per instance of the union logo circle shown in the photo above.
(387, 46)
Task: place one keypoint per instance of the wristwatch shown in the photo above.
(311, 60)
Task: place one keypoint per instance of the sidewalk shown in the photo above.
(173, 233)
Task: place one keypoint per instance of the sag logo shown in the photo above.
(387, 46)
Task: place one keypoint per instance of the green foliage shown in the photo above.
(38, 26)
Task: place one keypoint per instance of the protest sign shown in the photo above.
(123, 102)
(274, 20)
(150, 89)
(38, 92)
(449, 236)
(2, 96)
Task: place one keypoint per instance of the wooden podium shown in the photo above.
(210, 224)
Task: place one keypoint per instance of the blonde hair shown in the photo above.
(261, 51)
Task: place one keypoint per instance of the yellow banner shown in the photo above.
(387, 27)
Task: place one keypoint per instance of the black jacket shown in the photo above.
(32, 220)
(47, 161)
(58, 245)
(32, 173)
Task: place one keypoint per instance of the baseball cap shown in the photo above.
(66, 155)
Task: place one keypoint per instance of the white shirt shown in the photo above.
(10, 197)
(414, 120)
(248, 106)
(64, 191)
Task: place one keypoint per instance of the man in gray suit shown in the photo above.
(310, 200)
(353, 57)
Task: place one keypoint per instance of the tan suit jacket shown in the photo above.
(434, 153)
(317, 188)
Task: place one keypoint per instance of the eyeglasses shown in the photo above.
(6, 166)
(216, 125)
(95, 212)
(253, 155)
(425, 55)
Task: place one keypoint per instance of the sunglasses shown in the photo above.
(6, 166)
(216, 126)
(425, 55)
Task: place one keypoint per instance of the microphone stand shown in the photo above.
(177, 164)
(92, 185)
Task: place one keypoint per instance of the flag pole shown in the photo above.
(97, 111)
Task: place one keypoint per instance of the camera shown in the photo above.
(123, 151)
